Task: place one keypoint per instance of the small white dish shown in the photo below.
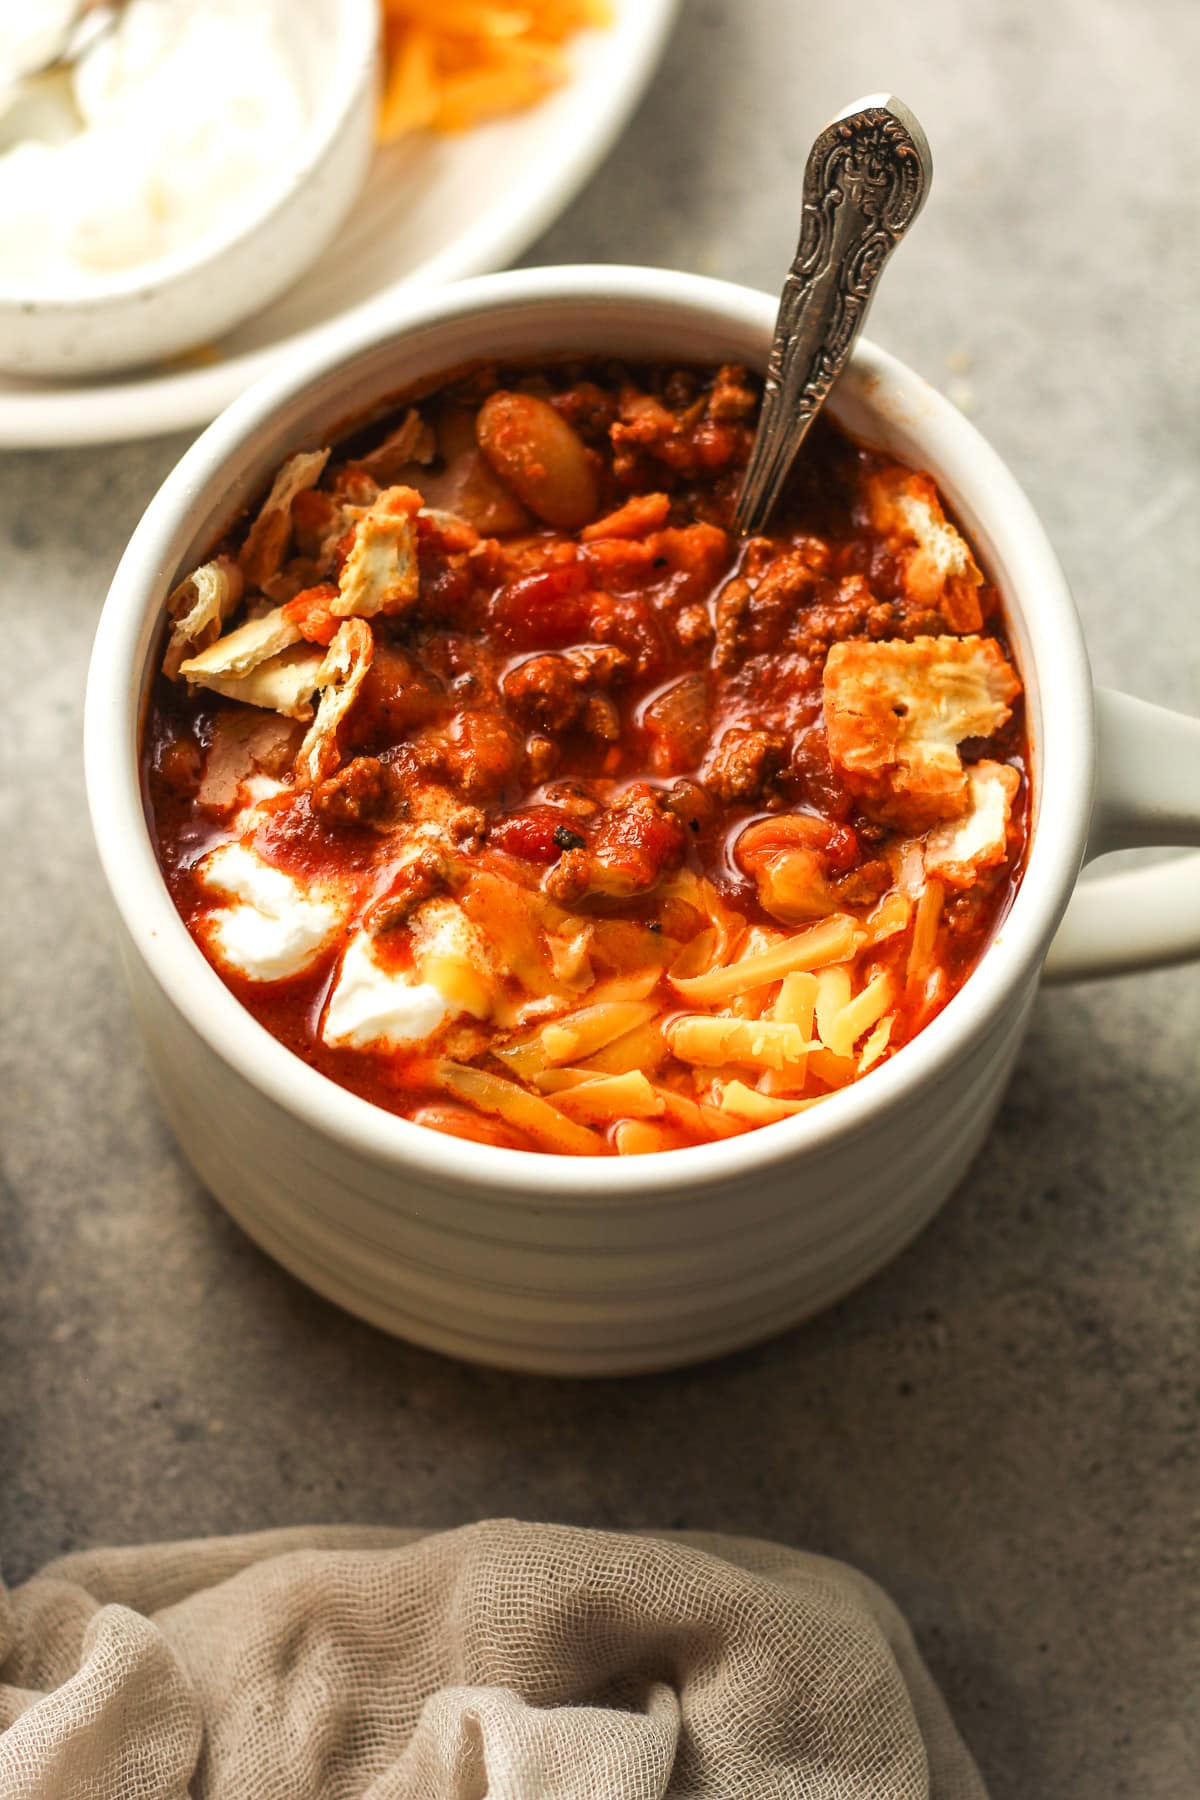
(609, 1265)
(433, 210)
(196, 294)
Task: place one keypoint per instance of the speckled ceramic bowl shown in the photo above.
(606, 1265)
(193, 296)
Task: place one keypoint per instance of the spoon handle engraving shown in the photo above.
(865, 182)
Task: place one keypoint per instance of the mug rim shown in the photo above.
(1063, 753)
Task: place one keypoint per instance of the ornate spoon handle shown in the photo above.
(866, 179)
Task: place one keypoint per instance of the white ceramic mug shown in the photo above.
(612, 1265)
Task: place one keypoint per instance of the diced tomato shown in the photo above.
(843, 849)
(691, 557)
(539, 833)
(639, 838)
(715, 445)
(447, 586)
(811, 767)
(633, 626)
(642, 513)
(551, 607)
(310, 613)
(837, 844)
(617, 563)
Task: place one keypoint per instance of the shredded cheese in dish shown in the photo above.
(454, 63)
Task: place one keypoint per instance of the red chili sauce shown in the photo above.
(593, 752)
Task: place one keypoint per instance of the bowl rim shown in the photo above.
(340, 91)
(1064, 755)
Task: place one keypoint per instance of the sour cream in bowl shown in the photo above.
(197, 158)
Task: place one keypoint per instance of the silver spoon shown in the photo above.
(865, 182)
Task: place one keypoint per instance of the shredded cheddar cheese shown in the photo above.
(452, 64)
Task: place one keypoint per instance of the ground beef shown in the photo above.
(589, 409)
(360, 793)
(733, 394)
(756, 611)
(848, 610)
(742, 763)
(636, 841)
(397, 696)
(482, 754)
(541, 759)
(732, 607)
(689, 443)
(557, 691)
(601, 719)
(543, 692)
(693, 626)
(422, 876)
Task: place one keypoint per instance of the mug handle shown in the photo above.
(1147, 794)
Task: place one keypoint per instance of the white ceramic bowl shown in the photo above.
(612, 1265)
(198, 293)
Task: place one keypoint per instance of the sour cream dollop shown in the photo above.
(374, 1006)
(268, 928)
(371, 1005)
(168, 128)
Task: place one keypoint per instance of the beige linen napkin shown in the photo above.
(503, 1660)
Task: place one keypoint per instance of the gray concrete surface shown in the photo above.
(1002, 1427)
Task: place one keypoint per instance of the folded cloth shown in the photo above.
(502, 1659)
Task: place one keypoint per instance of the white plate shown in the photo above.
(434, 209)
